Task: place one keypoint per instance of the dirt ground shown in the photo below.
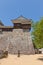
(23, 60)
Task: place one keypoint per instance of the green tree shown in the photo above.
(37, 33)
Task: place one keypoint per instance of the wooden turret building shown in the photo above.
(22, 23)
(18, 37)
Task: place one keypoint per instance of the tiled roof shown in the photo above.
(21, 20)
(6, 26)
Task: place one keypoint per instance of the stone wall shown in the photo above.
(18, 39)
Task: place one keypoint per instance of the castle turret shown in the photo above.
(22, 23)
(22, 37)
(18, 38)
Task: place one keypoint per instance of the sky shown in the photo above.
(11, 9)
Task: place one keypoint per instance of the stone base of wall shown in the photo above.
(19, 39)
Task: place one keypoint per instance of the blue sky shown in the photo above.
(11, 9)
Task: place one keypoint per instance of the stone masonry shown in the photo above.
(19, 39)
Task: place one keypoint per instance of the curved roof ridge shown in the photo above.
(21, 19)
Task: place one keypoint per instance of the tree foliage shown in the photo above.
(37, 33)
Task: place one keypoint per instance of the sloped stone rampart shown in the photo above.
(18, 39)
